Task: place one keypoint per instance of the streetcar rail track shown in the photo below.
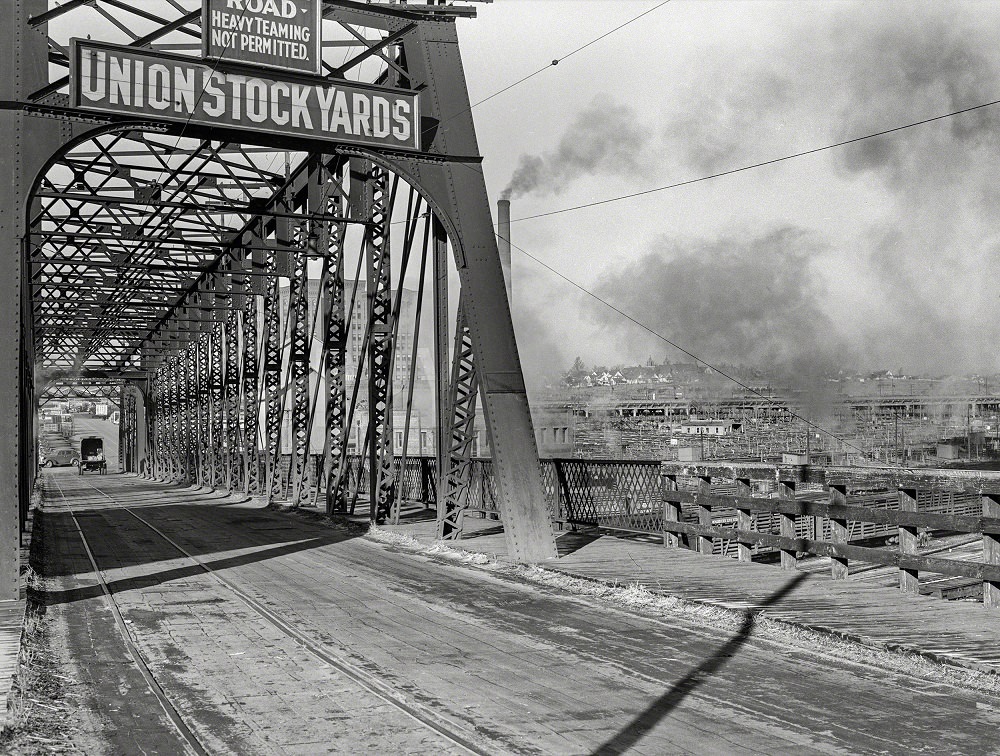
(423, 715)
(186, 733)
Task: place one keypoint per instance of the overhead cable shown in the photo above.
(741, 169)
(554, 62)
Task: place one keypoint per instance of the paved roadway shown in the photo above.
(502, 665)
(87, 425)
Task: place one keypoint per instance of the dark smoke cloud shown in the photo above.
(543, 359)
(842, 76)
(717, 128)
(604, 138)
(917, 271)
(749, 300)
(907, 69)
(45, 377)
(895, 273)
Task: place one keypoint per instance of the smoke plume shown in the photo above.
(747, 300)
(604, 138)
(884, 253)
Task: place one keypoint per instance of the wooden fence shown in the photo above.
(832, 516)
(847, 514)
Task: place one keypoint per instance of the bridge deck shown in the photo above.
(302, 638)
(957, 632)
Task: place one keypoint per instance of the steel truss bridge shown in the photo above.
(247, 293)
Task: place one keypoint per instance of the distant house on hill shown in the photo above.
(603, 378)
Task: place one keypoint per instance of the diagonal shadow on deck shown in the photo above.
(637, 729)
(127, 546)
(140, 582)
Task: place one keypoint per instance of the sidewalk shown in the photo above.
(11, 620)
(11, 625)
(959, 633)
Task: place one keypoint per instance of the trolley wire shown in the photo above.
(761, 164)
(555, 62)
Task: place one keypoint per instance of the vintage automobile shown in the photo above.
(59, 458)
(92, 455)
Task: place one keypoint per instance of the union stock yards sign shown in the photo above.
(126, 81)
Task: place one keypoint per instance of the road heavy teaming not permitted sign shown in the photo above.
(284, 34)
(123, 80)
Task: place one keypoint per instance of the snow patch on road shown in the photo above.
(638, 597)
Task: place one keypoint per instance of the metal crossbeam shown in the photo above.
(157, 258)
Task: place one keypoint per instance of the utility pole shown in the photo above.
(968, 429)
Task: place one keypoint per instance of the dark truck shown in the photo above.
(92, 455)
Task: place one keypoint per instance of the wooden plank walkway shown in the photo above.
(963, 633)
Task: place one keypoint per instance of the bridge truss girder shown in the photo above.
(177, 257)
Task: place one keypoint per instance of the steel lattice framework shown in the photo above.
(254, 301)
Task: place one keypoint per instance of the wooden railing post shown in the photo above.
(743, 518)
(838, 532)
(786, 490)
(991, 551)
(671, 512)
(909, 581)
(704, 544)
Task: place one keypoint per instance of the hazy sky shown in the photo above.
(879, 254)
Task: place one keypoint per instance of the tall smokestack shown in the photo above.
(503, 231)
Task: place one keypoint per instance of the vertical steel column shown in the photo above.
(184, 414)
(173, 409)
(28, 407)
(183, 430)
(190, 414)
(251, 407)
(218, 411)
(163, 421)
(234, 446)
(442, 371)
(25, 143)
(122, 421)
(433, 58)
(298, 310)
(179, 376)
(204, 477)
(154, 425)
(463, 392)
(127, 424)
(178, 424)
(272, 378)
(335, 364)
(381, 480)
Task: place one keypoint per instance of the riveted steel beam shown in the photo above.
(133, 226)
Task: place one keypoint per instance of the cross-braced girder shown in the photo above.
(273, 324)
